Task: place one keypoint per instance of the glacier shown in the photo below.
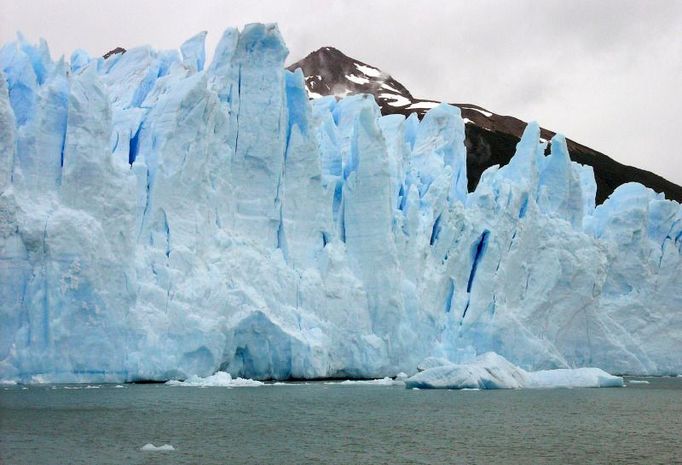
(164, 216)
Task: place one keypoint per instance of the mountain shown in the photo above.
(164, 216)
(114, 51)
(490, 138)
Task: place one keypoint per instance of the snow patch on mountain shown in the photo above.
(419, 105)
(395, 100)
(356, 79)
(368, 70)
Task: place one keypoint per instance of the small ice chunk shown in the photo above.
(219, 379)
(245, 382)
(402, 376)
(287, 383)
(149, 447)
(370, 382)
(387, 381)
(638, 381)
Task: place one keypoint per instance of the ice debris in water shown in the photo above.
(492, 371)
(219, 379)
(149, 447)
(386, 381)
(164, 215)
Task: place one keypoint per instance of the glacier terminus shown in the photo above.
(163, 216)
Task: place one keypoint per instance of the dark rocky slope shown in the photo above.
(490, 138)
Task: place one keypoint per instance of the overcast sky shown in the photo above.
(607, 74)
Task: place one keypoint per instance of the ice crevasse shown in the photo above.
(163, 217)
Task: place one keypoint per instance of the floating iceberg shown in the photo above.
(152, 448)
(574, 377)
(488, 371)
(491, 371)
(163, 217)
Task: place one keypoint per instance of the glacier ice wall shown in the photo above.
(161, 217)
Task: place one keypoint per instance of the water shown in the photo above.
(321, 423)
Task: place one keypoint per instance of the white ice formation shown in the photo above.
(219, 379)
(163, 217)
(149, 447)
(492, 371)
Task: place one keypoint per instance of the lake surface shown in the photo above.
(323, 423)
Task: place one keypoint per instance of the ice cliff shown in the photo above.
(162, 216)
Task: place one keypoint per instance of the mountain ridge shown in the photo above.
(490, 138)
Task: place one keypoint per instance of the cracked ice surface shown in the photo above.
(162, 217)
